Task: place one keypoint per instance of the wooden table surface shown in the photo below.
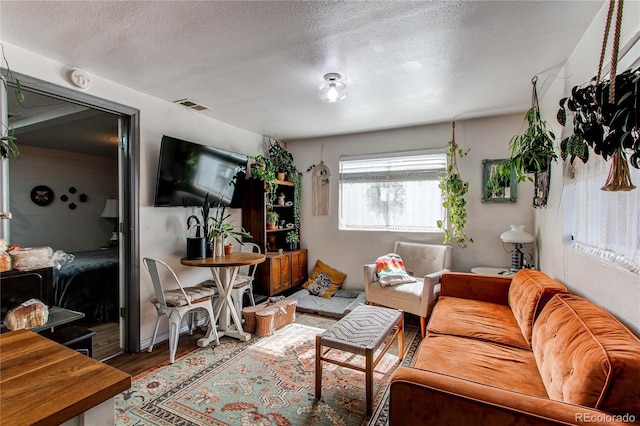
(43, 382)
(232, 259)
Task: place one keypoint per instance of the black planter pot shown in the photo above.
(196, 248)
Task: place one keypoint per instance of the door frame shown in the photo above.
(129, 188)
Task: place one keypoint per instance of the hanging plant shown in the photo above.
(7, 135)
(531, 151)
(611, 129)
(453, 190)
(606, 115)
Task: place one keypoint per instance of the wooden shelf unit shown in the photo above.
(281, 270)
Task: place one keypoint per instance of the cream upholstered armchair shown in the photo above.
(425, 263)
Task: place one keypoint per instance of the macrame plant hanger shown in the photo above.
(619, 178)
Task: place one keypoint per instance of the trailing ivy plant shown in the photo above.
(453, 190)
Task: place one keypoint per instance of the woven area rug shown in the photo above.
(266, 381)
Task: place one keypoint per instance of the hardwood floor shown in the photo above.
(107, 341)
(135, 364)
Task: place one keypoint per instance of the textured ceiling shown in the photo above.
(258, 65)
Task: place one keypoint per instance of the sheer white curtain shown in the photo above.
(392, 192)
(606, 224)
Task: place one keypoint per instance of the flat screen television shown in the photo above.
(188, 171)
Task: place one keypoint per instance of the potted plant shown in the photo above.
(222, 229)
(272, 219)
(262, 168)
(292, 239)
(453, 190)
(281, 159)
(532, 151)
(609, 126)
(196, 245)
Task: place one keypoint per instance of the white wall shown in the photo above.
(56, 225)
(349, 250)
(614, 288)
(162, 231)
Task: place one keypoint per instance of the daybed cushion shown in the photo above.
(529, 291)
(343, 302)
(587, 357)
(337, 278)
(476, 319)
(482, 362)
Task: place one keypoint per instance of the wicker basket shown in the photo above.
(265, 317)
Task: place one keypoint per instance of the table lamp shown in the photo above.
(516, 236)
(110, 211)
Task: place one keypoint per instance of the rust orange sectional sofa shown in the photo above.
(518, 351)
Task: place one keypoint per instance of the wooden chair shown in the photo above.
(177, 302)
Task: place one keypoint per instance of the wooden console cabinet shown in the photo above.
(280, 272)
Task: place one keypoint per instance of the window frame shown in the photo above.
(438, 172)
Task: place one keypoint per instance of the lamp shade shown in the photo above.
(332, 89)
(110, 209)
(517, 235)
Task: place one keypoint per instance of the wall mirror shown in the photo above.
(497, 188)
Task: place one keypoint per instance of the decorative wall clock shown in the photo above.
(42, 195)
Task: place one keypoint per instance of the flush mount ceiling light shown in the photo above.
(332, 90)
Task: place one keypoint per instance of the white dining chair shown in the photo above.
(175, 303)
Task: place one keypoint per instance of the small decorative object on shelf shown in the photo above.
(281, 201)
(292, 239)
(272, 219)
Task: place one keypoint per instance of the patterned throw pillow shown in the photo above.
(320, 285)
(337, 278)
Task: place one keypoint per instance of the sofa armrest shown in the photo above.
(369, 277)
(485, 288)
(420, 397)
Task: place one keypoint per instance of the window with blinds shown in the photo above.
(392, 192)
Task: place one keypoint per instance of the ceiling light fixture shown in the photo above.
(332, 90)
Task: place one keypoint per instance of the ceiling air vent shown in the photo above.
(190, 104)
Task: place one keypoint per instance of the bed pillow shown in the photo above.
(391, 271)
(324, 281)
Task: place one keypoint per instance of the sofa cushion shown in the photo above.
(482, 362)
(586, 357)
(529, 291)
(476, 319)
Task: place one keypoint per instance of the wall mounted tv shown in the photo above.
(188, 171)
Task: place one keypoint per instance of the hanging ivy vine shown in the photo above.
(453, 190)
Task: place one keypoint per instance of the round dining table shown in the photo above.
(224, 270)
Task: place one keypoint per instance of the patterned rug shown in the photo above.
(266, 381)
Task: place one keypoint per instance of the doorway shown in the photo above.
(98, 139)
